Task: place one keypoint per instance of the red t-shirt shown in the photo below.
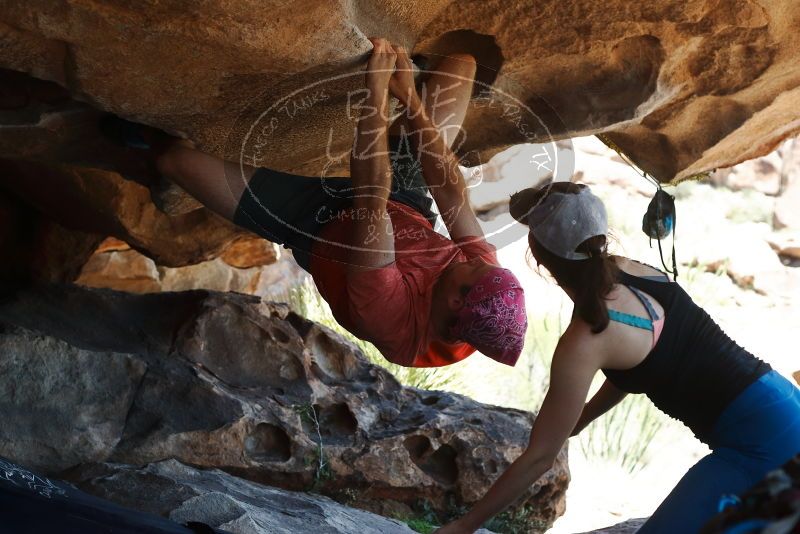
(390, 306)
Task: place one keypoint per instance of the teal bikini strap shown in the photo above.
(631, 320)
(635, 320)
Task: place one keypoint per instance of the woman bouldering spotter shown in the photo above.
(647, 336)
(422, 299)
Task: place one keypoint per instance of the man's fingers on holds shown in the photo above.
(403, 60)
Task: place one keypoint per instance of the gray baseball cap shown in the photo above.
(562, 221)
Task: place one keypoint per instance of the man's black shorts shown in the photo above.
(290, 210)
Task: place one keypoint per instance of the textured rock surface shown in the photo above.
(33, 247)
(253, 390)
(626, 527)
(220, 500)
(62, 405)
(102, 202)
(65, 183)
(121, 268)
(683, 87)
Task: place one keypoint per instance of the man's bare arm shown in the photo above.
(373, 240)
(439, 164)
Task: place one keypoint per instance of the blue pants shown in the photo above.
(758, 432)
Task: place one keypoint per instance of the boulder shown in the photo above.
(35, 248)
(261, 393)
(220, 500)
(62, 405)
(114, 265)
(102, 202)
(626, 527)
(278, 80)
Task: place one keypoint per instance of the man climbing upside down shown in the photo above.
(423, 300)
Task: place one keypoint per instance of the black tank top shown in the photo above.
(695, 370)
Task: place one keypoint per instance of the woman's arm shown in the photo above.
(373, 240)
(573, 368)
(606, 398)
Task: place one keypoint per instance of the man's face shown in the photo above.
(451, 292)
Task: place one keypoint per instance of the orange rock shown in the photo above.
(250, 251)
(112, 244)
(682, 87)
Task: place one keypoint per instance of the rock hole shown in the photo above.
(337, 424)
(442, 465)
(431, 400)
(491, 467)
(417, 447)
(332, 359)
(280, 336)
(268, 443)
(484, 48)
(476, 421)
(439, 464)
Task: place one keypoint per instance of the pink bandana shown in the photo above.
(493, 319)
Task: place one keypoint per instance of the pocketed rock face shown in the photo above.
(220, 500)
(225, 382)
(64, 187)
(213, 497)
(682, 87)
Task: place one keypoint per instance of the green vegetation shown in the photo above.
(624, 434)
(522, 519)
(322, 469)
(421, 525)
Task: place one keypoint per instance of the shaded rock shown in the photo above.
(626, 527)
(33, 503)
(62, 405)
(41, 123)
(172, 199)
(650, 74)
(35, 248)
(220, 500)
(268, 396)
(102, 202)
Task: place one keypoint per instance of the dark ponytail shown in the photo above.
(590, 280)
